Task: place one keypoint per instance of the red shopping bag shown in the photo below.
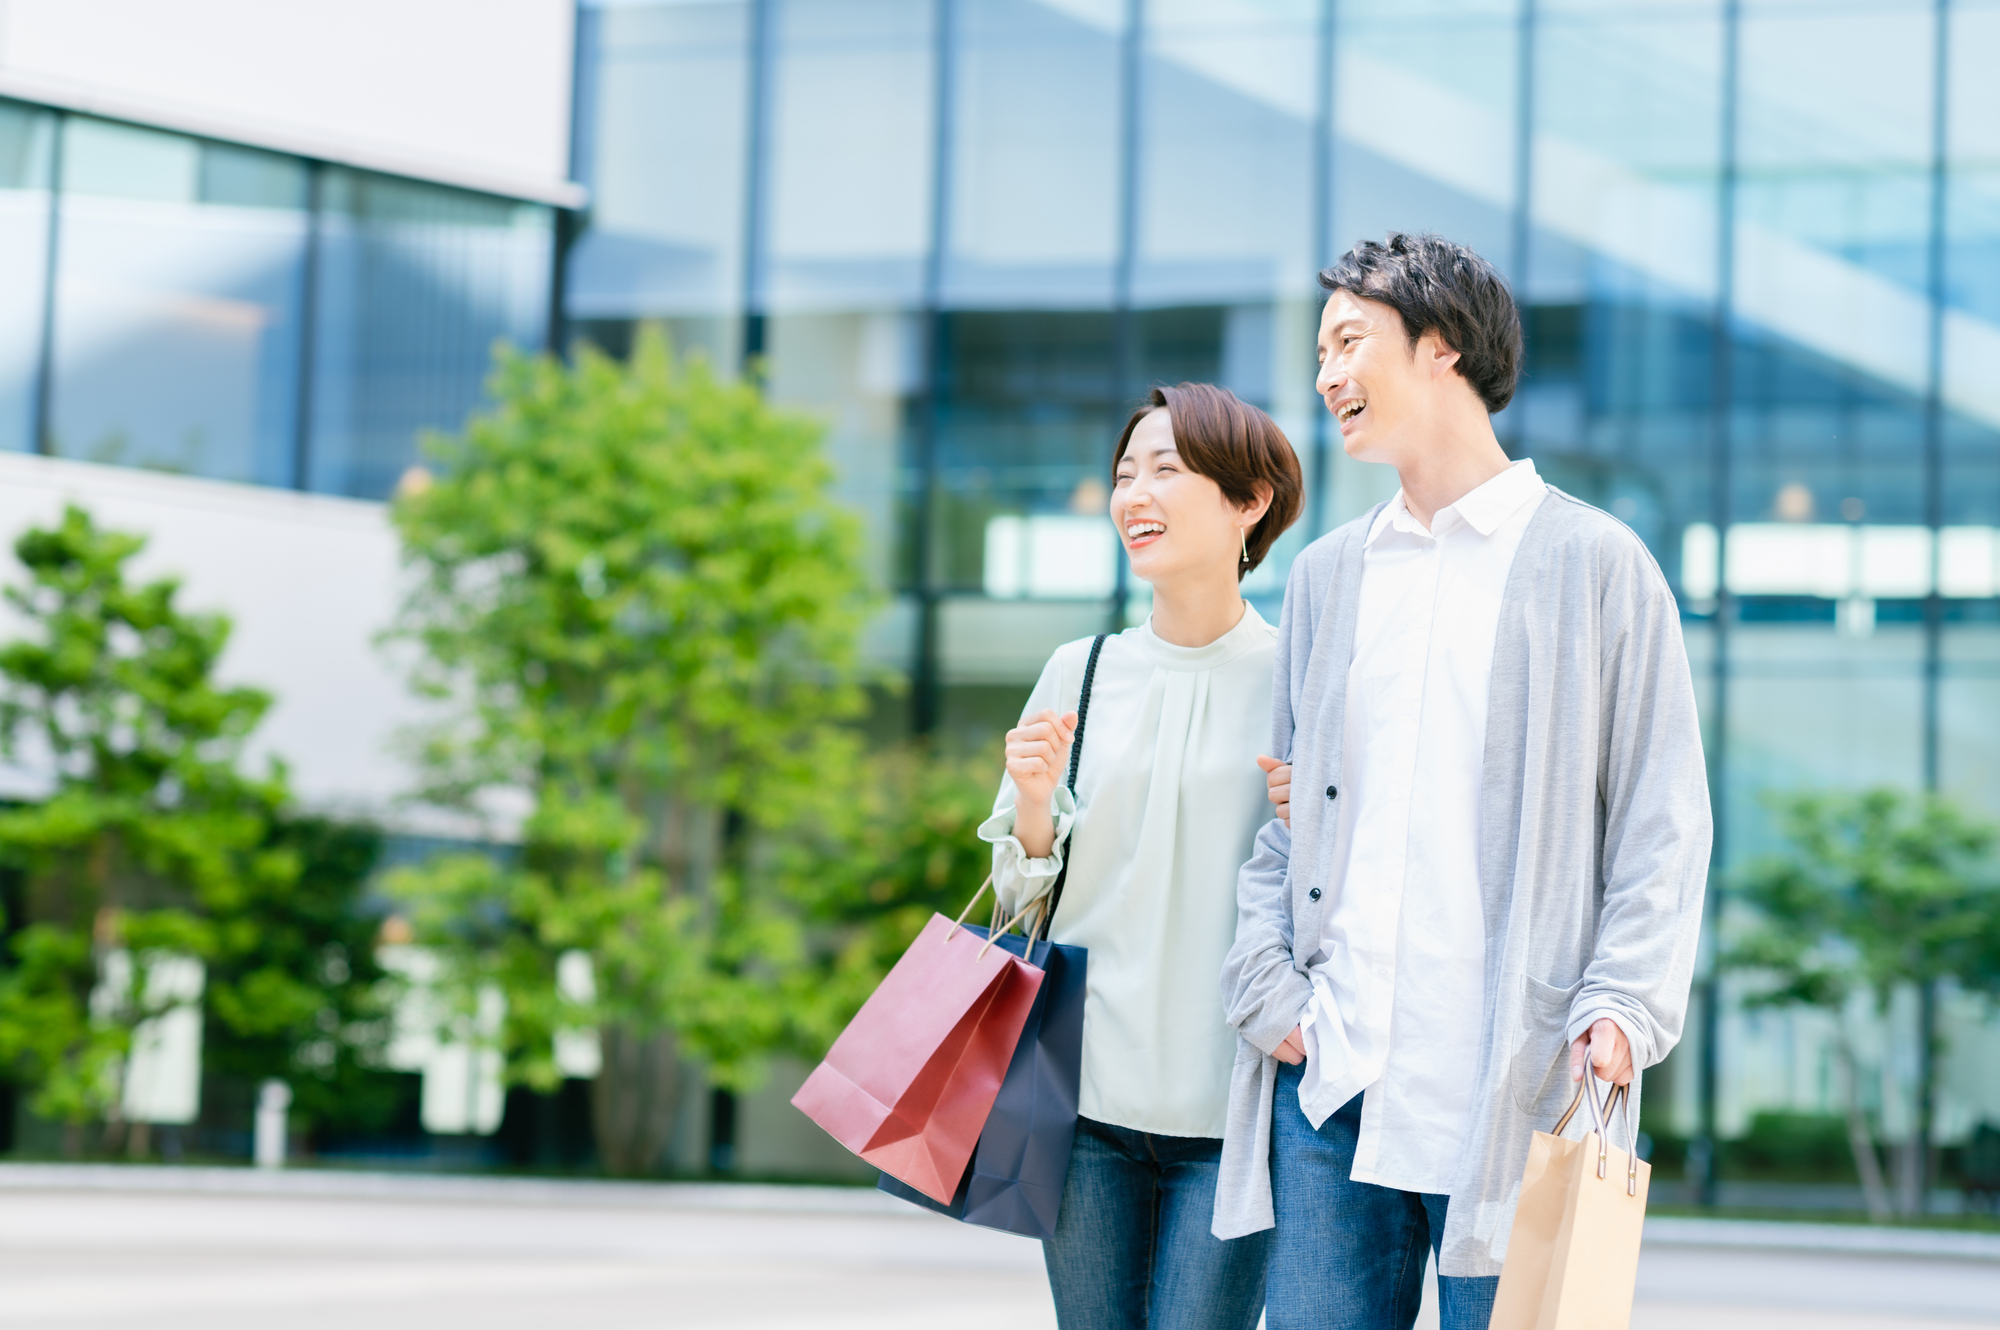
(911, 1080)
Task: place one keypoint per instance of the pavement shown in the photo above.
(230, 1249)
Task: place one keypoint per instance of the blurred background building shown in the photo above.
(1757, 243)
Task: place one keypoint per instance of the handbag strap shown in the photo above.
(1048, 918)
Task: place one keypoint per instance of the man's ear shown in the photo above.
(1435, 355)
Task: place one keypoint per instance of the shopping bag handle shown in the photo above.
(997, 927)
(959, 922)
(1620, 1095)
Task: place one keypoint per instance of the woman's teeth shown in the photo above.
(1138, 529)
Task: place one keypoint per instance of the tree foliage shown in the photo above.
(151, 840)
(1878, 892)
(903, 843)
(643, 607)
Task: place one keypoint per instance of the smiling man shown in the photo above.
(1500, 839)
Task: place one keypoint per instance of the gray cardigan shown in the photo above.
(1593, 854)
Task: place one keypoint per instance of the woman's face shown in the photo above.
(1173, 521)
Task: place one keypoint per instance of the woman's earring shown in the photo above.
(1243, 535)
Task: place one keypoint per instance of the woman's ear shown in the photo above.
(1253, 511)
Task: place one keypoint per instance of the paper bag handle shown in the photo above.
(1620, 1095)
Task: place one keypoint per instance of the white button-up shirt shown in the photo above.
(1399, 975)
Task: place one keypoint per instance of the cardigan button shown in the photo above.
(1314, 893)
(1331, 792)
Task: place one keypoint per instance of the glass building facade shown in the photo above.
(199, 307)
(1757, 243)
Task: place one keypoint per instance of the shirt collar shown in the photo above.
(1485, 509)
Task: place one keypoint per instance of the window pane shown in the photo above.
(1228, 105)
(1615, 402)
(662, 116)
(26, 137)
(850, 149)
(416, 285)
(1788, 680)
(1972, 271)
(1424, 101)
(178, 292)
(1035, 155)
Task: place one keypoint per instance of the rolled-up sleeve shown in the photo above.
(1657, 832)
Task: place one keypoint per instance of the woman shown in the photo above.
(1168, 801)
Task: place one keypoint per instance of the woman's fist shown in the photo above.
(1038, 755)
(1278, 786)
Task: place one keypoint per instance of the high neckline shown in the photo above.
(1249, 630)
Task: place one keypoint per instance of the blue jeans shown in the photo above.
(1132, 1249)
(1350, 1255)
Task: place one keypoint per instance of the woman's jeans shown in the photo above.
(1350, 1255)
(1132, 1249)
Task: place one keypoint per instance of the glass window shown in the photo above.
(850, 148)
(1620, 283)
(416, 285)
(1831, 240)
(662, 135)
(1969, 695)
(1034, 174)
(1424, 113)
(178, 289)
(1228, 105)
(1787, 681)
(26, 137)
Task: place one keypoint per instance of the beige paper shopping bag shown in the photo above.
(1573, 1258)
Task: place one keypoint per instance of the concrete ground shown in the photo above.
(198, 1249)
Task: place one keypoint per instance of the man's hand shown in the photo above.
(1610, 1055)
(1278, 786)
(1293, 1050)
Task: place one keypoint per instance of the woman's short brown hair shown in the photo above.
(1223, 437)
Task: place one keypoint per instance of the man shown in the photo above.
(1499, 845)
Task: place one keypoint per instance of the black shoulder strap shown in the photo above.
(1075, 757)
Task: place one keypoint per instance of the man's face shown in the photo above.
(1380, 390)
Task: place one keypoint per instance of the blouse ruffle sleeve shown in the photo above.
(1018, 877)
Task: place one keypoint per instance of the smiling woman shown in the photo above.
(1203, 484)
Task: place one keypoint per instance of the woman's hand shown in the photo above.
(1037, 761)
(1278, 786)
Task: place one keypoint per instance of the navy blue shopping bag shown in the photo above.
(1015, 1180)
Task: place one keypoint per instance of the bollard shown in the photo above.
(273, 1098)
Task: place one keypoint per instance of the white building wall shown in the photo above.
(309, 583)
(469, 92)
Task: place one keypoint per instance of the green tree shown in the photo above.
(151, 840)
(294, 990)
(1879, 891)
(643, 609)
(901, 845)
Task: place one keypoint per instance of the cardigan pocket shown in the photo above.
(1538, 1066)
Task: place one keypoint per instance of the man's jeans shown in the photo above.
(1350, 1255)
(1132, 1250)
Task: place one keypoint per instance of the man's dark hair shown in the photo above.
(1441, 287)
(1223, 437)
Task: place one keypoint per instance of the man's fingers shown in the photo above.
(1576, 1057)
(1268, 764)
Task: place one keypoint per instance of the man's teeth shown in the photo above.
(1349, 410)
(1138, 529)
